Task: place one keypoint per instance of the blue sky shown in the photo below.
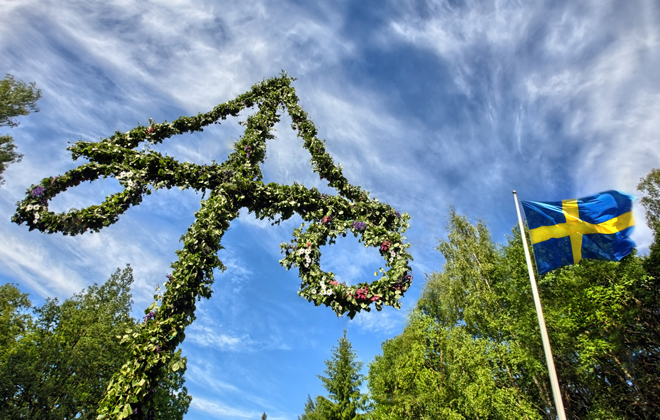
(425, 104)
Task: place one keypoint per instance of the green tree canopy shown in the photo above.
(16, 98)
(343, 380)
(14, 316)
(57, 363)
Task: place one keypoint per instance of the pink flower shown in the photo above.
(385, 246)
(362, 293)
(375, 298)
(150, 130)
(334, 283)
(308, 244)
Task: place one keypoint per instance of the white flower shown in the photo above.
(29, 207)
(35, 221)
(300, 251)
(306, 265)
(313, 291)
(37, 216)
(35, 207)
(307, 251)
(323, 278)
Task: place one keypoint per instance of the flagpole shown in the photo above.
(556, 393)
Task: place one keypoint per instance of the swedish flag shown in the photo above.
(564, 232)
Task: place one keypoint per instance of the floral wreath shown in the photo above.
(233, 184)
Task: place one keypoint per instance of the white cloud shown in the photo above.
(222, 410)
(388, 321)
(208, 337)
(202, 374)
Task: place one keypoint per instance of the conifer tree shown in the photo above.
(343, 380)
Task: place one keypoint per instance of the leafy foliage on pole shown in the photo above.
(233, 184)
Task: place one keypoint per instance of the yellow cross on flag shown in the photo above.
(594, 227)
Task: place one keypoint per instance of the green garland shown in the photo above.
(233, 184)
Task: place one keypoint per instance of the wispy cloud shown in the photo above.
(209, 337)
(222, 410)
(385, 322)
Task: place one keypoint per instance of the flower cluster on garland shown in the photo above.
(233, 184)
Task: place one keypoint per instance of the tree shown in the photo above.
(453, 360)
(60, 361)
(311, 412)
(651, 202)
(14, 319)
(430, 372)
(16, 98)
(344, 401)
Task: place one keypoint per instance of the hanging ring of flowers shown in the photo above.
(322, 287)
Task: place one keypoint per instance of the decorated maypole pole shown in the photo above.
(231, 185)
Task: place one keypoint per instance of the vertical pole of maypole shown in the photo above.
(556, 392)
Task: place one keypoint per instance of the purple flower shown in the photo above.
(169, 277)
(150, 315)
(37, 192)
(359, 226)
(398, 214)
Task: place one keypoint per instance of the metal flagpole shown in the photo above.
(556, 393)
